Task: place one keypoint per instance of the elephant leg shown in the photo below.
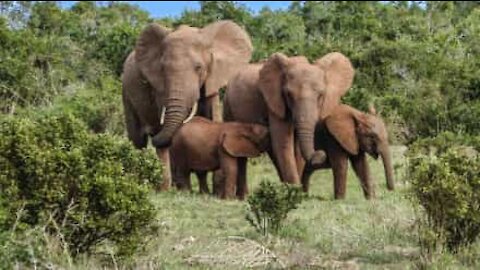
(361, 168)
(242, 185)
(339, 162)
(164, 156)
(217, 182)
(210, 108)
(202, 181)
(216, 112)
(274, 162)
(230, 171)
(181, 177)
(134, 127)
(282, 140)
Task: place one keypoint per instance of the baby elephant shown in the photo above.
(349, 134)
(202, 145)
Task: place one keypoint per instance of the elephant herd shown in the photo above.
(285, 106)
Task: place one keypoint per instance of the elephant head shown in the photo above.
(245, 140)
(356, 131)
(304, 93)
(181, 65)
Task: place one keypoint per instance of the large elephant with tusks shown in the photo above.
(171, 73)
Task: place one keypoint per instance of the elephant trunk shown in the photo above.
(387, 165)
(176, 112)
(305, 128)
(305, 136)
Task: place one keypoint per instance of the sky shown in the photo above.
(159, 9)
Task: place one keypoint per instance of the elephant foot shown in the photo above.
(318, 159)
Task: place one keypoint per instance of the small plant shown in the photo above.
(447, 187)
(270, 204)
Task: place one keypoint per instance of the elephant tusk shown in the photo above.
(162, 115)
(192, 113)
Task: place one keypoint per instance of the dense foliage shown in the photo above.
(445, 176)
(415, 60)
(88, 188)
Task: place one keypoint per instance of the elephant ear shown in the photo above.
(237, 145)
(231, 50)
(271, 83)
(339, 74)
(341, 124)
(148, 49)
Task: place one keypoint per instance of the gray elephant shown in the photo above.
(290, 96)
(170, 74)
(349, 134)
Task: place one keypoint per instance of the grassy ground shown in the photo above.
(322, 234)
(348, 233)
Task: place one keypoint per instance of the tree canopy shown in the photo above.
(416, 61)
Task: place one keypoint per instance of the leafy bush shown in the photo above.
(270, 204)
(98, 105)
(114, 44)
(88, 188)
(442, 142)
(447, 187)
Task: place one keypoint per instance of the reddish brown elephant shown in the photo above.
(170, 71)
(349, 134)
(289, 95)
(202, 145)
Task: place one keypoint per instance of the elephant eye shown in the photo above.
(198, 67)
(288, 95)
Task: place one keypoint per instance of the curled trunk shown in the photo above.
(175, 113)
(305, 122)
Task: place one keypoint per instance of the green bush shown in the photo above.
(447, 187)
(270, 204)
(99, 106)
(88, 188)
(442, 142)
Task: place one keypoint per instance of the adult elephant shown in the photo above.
(349, 134)
(168, 72)
(290, 96)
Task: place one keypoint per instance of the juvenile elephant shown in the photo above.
(203, 145)
(289, 95)
(348, 133)
(168, 72)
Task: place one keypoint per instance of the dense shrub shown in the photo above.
(97, 105)
(442, 142)
(88, 188)
(114, 44)
(445, 181)
(270, 204)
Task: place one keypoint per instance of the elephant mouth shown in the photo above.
(189, 117)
